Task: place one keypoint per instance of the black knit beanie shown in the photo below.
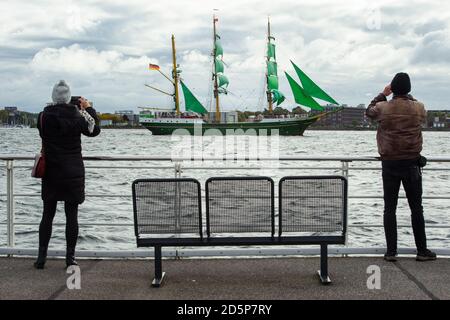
(401, 84)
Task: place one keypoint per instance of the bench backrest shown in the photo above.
(167, 207)
(239, 205)
(315, 204)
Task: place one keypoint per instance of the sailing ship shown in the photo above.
(197, 119)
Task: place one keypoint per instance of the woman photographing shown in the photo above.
(60, 127)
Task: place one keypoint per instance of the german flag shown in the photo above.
(153, 66)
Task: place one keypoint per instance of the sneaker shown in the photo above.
(390, 256)
(426, 255)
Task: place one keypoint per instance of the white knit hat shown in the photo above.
(61, 92)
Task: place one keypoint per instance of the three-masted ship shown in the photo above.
(196, 118)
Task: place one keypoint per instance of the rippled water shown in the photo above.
(108, 181)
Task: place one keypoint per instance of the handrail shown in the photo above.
(177, 165)
(224, 158)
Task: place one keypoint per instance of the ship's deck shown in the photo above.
(263, 278)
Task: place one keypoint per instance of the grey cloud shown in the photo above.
(8, 53)
(433, 49)
(430, 26)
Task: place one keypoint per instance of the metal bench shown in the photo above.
(240, 211)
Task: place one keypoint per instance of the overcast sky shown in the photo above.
(102, 48)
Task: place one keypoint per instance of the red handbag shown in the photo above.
(38, 170)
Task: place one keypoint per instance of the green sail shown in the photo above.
(278, 97)
(218, 48)
(272, 74)
(223, 81)
(272, 82)
(271, 51)
(272, 69)
(191, 102)
(219, 66)
(311, 88)
(301, 97)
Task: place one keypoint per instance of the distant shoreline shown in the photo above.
(373, 129)
(309, 129)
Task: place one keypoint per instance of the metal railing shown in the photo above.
(178, 167)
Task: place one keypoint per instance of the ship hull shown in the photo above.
(283, 128)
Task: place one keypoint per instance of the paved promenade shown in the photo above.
(263, 278)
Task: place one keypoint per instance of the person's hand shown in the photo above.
(84, 103)
(387, 91)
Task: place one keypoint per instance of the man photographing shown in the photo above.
(399, 139)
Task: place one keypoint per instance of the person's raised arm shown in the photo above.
(372, 111)
(90, 127)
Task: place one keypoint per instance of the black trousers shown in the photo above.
(408, 173)
(45, 228)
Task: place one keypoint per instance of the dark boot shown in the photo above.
(426, 255)
(70, 257)
(41, 259)
(390, 256)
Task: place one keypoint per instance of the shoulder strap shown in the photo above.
(42, 131)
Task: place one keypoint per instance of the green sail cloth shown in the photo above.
(311, 88)
(278, 97)
(218, 48)
(272, 82)
(301, 97)
(219, 66)
(191, 102)
(272, 69)
(271, 51)
(223, 81)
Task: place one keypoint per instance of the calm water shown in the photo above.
(140, 142)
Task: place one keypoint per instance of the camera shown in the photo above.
(422, 161)
(75, 100)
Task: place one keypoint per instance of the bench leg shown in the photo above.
(159, 275)
(323, 272)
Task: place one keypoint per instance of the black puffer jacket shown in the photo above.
(60, 130)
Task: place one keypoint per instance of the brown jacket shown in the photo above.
(400, 122)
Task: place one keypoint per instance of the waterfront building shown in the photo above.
(12, 115)
(127, 115)
(347, 118)
(106, 123)
(438, 119)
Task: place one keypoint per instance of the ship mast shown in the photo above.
(215, 78)
(175, 77)
(269, 94)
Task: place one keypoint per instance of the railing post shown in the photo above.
(345, 169)
(178, 213)
(177, 169)
(10, 202)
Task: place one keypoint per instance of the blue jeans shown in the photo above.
(408, 173)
